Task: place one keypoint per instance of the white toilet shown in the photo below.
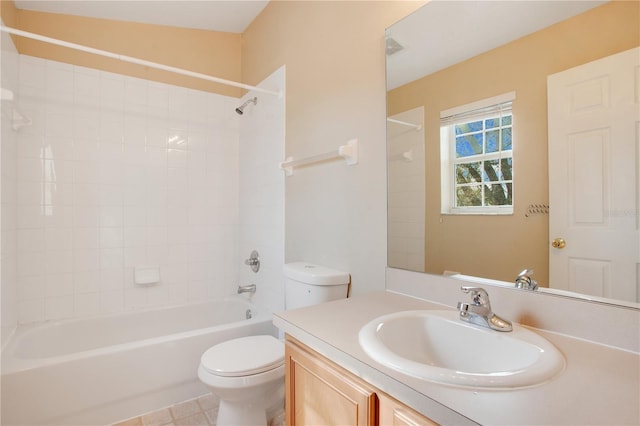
(247, 374)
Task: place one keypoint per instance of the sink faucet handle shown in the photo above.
(525, 281)
(526, 273)
(479, 296)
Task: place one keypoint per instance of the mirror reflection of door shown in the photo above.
(593, 157)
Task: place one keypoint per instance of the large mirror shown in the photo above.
(475, 93)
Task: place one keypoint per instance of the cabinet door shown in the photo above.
(321, 393)
(394, 413)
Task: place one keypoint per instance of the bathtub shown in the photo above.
(100, 370)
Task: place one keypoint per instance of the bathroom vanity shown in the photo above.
(591, 317)
(331, 380)
(321, 392)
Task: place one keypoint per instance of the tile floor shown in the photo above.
(200, 411)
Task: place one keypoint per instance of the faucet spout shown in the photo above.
(251, 288)
(479, 311)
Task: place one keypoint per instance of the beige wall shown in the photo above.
(521, 66)
(334, 55)
(209, 52)
(8, 12)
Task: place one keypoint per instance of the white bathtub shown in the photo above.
(104, 369)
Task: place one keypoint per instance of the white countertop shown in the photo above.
(600, 385)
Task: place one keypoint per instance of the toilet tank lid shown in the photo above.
(309, 273)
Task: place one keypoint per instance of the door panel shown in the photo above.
(593, 191)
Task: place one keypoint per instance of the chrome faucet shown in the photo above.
(524, 280)
(251, 288)
(479, 311)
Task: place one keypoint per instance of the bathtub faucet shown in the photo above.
(251, 288)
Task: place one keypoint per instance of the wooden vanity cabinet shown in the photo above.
(393, 412)
(320, 392)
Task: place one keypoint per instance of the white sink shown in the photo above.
(439, 347)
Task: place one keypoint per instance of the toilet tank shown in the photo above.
(308, 284)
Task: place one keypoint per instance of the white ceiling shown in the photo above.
(217, 15)
(444, 32)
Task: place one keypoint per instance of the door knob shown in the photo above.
(558, 243)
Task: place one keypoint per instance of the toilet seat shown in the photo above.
(244, 356)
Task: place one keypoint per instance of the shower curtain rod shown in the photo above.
(133, 60)
(417, 127)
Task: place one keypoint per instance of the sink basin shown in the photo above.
(437, 346)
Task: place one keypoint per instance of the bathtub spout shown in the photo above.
(251, 288)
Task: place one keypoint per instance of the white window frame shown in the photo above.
(465, 113)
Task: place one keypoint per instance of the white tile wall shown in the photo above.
(117, 172)
(8, 194)
(262, 182)
(406, 198)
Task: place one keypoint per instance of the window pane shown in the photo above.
(481, 168)
(492, 141)
(498, 194)
(468, 145)
(506, 139)
(467, 196)
(473, 126)
(491, 123)
(506, 167)
(468, 173)
(492, 171)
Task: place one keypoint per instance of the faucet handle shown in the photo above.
(479, 296)
(525, 281)
(527, 272)
(253, 261)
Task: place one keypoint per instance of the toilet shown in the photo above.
(247, 373)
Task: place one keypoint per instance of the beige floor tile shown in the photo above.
(130, 422)
(208, 401)
(185, 409)
(212, 415)
(198, 419)
(198, 411)
(156, 418)
(278, 419)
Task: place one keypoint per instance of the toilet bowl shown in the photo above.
(247, 374)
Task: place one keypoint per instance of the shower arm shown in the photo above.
(133, 60)
(240, 109)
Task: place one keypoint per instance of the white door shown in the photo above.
(593, 179)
